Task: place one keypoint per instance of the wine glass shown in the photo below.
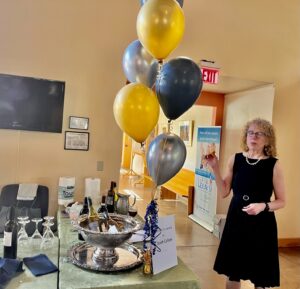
(48, 218)
(22, 234)
(48, 236)
(22, 230)
(36, 237)
(132, 211)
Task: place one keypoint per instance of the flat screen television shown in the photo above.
(28, 103)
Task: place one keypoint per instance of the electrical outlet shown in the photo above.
(100, 166)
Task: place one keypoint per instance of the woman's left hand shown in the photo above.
(254, 208)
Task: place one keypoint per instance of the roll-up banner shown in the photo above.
(205, 196)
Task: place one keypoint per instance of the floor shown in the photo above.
(197, 247)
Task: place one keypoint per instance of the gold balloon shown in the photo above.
(160, 27)
(136, 110)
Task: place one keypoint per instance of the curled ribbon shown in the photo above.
(151, 227)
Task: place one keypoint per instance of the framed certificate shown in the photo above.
(77, 140)
(76, 122)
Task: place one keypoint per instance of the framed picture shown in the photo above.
(76, 122)
(77, 140)
(186, 131)
(163, 128)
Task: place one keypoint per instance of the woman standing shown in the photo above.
(249, 248)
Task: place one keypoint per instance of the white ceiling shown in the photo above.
(229, 84)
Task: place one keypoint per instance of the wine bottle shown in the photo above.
(84, 210)
(103, 223)
(102, 208)
(110, 199)
(93, 217)
(116, 195)
(10, 236)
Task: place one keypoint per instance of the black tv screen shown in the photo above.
(28, 103)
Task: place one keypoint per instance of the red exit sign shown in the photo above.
(210, 74)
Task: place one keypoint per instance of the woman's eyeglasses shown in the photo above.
(257, 134)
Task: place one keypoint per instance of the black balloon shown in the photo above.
(179, 1)
(178, 86)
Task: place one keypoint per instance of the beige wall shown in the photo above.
(82, 42)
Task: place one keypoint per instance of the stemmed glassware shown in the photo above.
(48, 236)
(22, 234)
(48, 218)
(133, 210)
(22, 228)
(36, 237)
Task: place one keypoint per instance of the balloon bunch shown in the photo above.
(178, 83)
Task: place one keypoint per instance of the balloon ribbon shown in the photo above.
(151, 227)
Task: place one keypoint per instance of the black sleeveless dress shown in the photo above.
(249, 247)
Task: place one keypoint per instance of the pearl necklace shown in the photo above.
(252, 164)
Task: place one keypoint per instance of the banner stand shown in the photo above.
(205, 194)
(205, 225)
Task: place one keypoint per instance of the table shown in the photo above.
(72, 277)
(26, 280)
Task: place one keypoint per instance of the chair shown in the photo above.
(36, 208)
(9, 193)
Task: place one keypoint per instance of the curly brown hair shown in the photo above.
(268, 129)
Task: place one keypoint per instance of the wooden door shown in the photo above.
(126, 152)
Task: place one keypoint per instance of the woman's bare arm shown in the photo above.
(223, 184)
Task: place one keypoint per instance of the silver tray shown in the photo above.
(80, 254)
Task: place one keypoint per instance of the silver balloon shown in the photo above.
(165, 157)
(139, 65)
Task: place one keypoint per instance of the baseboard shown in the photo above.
(289, 242)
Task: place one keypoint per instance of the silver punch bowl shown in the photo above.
(106, 248)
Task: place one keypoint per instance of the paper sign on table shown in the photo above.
(66, 189)
(92, 189)
(166, 257)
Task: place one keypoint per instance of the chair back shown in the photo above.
(9, 194)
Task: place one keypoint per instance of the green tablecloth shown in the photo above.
(71, 276)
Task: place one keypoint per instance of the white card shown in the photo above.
(92, 189)
(166, 241)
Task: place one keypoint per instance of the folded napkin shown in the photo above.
(40, 265)
(8, 269)
(27, 192)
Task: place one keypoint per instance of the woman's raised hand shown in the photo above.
(212, 160)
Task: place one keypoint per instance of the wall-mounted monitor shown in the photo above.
(28, 103)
